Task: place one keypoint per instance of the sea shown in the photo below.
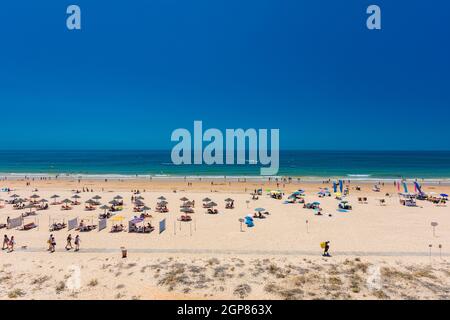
(356, 165)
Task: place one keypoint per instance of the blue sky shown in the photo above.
(139, 69)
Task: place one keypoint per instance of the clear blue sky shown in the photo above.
(139, 69)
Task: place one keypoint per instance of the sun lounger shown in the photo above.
(86, 228)
(29, 226)
(27, 214)
(115, 229)
(57, 226)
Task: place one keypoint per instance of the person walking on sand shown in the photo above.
(77, 243)
(5, 242)
(326, 248)
(11, 244)
(53, 244)
(69, 242)
(49, 242)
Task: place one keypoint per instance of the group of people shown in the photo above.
(8, 243)
(52, 243)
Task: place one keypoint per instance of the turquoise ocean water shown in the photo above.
(352, 164)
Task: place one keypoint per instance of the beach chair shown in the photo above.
(29, 226)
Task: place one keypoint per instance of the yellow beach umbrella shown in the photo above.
(117, 218)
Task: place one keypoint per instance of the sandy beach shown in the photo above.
(378, 251)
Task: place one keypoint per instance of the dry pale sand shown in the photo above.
(379, 252)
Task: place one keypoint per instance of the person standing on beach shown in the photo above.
(69, 242)
(326, 249)
(11, 244)
(77, 243)
(5, 242)
(52, 244)
(49, 242)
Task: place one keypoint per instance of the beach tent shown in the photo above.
(134, 222)
(341, 185)
(249, 221)
(334, 187)
(405, 187)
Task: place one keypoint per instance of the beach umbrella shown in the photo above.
(117, 218)
(145, 208)
(34, 196)
(90, 201)
(212, 204)
(139, 203)
(206, 200)
(139, 198)
(118, 198)
(185, 210)
(54, 197)
(317, 203)
(162, 203)
(260, 209)
(67, 201)
(15, 196)
(228, 200)
(75, 196)
(43, 200)
(113, 202)
(444, 195)
(184, 199)
(97, 197)
(162, 198)
(104, 207)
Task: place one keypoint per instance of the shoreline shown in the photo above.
(214, 178)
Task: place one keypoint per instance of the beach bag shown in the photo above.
(322, 245)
